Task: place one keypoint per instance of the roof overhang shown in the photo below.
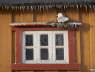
(45, 4)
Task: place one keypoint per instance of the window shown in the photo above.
(49, 48)
(45, 47)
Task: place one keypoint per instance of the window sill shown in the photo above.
(45, 67)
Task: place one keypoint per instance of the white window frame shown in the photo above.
(51, 47)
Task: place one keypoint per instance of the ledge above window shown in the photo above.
(45, 66)
(70, 25)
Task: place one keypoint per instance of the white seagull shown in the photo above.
(62, 18)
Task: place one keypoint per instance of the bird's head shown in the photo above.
(60, 15)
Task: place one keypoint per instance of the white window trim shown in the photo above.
(51, 46)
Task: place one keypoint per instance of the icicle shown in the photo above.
(20, 8)
(31, 7)
(40, 7)
(35, 7)
(64, 6)
(27, 7)
(50, 6)
(4, 7)
(80, 6)
(59, 6)
(16, 8)
(69, 5)
(86, 8)
(90, 6)
(24, 7)
(72, 6)
(43, 7)
(77, 6)
(46, 7)
(94, 7)
(12, 7)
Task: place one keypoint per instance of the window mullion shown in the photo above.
(36, 47)
(53, 47)
(50, 46)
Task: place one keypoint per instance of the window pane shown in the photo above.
(59, 39)
(29, 54)
(29, 40)
(44, 40)
(59, 54)
(44, 54)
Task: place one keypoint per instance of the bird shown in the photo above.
(62, 18)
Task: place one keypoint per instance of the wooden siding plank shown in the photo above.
(5, 43)
(92, 38)
(86, 40)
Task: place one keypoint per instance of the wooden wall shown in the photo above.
(85, 38)
(5, 43)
